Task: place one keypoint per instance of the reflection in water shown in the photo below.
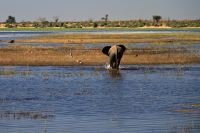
(114, 73)
(25, 115)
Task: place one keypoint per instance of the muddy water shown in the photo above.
(93, 99)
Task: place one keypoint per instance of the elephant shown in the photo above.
(115, 54)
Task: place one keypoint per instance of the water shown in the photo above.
(7, 35)
(12, 35)
(86, 99)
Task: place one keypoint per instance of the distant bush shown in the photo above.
(11, 20)
(95, 24)
(183, 23)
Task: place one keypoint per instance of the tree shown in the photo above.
(41, 19)
(43, 22)
(105, 19)
(56, 18)
(11, 20)
(55, 23)
(156, 19)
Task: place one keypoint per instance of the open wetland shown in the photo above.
(84, 47)
(57, 82)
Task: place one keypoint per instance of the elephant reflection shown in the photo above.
(115, 54)
(114, 73)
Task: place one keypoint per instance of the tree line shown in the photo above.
(104, 22)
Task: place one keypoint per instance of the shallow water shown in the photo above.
(13, 35)
(9, 35)
(156, 99)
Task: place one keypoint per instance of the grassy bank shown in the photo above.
(116, 38)
(63, 56)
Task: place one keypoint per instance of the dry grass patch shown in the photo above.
(59, 56)
(115, 38)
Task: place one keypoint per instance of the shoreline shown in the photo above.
(114, 38)
(2, 29)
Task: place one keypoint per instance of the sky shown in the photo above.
(77, 10)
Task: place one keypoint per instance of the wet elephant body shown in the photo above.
(115, 54)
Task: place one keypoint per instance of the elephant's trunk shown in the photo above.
(114, 61)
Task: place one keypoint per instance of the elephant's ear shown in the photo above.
(106, 49)
(123, 47)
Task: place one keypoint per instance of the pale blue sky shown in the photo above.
(74, 10)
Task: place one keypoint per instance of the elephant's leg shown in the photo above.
(118, 62)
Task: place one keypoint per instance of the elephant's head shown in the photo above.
(115, 54)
